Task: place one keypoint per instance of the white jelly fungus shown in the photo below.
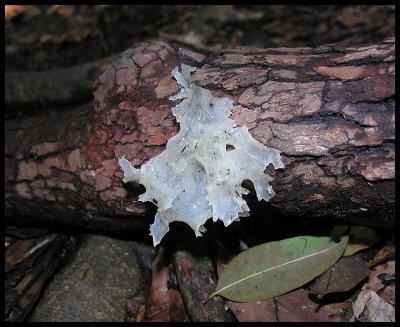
(199, 175)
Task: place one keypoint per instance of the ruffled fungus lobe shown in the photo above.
(199, 175)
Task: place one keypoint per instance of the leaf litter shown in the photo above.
(274, 268)
(333, 308)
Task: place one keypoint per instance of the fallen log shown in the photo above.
(330, 110)
(28, 93)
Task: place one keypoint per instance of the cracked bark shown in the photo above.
(330, 110)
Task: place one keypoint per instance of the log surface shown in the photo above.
(330, 110)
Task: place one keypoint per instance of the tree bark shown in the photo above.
(330, 110)
(30, 92)
(197, 276)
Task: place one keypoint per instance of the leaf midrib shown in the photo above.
(275, 267)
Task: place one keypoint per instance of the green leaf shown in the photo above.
(274, 268)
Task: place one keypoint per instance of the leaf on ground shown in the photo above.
(274, 268)
(360, 238)
(297, 305)
(345, 274)
(163, 304)
(382, 281)
(369, 307)
(294, 306)
(385, 254)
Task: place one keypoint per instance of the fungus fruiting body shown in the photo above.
(199, 174)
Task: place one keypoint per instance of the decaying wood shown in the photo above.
(197, 277)
(330, 110)
(27, 92)
(29, 263)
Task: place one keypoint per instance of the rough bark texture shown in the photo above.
(31, 259)
(330, 110)
(197, 276)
